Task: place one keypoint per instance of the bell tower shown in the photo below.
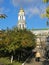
(21, 19)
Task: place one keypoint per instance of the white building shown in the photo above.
(21, 19)
(42, 36)
(40, 31)
(42, 40)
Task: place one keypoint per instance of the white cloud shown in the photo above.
(35, 11)
(1, 1)
(1, 10)
(43, 9)
(32, 10)
(25, 2)
(4, 10)
(32, 7)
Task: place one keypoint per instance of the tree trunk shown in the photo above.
(11, 58)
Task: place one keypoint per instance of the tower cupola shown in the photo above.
(21, 19)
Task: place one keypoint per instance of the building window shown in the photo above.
(23, 25)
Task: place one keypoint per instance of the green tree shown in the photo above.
(47, 9)
(16, 41)
(3, 16)
(47, 12)
(45, 1)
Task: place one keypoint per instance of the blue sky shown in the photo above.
(33, 11)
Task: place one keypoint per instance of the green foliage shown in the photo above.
(47, 9)
(2, 16)
(6, 61)
(17, 41)
(45, 1)
(20, 39)
(47, 12)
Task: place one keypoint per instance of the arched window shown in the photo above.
(21, 17)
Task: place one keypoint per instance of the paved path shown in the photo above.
(33, 62)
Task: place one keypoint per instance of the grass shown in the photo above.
(6, 61)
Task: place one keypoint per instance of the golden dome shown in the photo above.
(21, 10)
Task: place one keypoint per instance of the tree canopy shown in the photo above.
(47, 12)
(20, 40)
(47, 9)
(45, 1)
(3, 16)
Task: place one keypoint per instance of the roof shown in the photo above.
(41, 29)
